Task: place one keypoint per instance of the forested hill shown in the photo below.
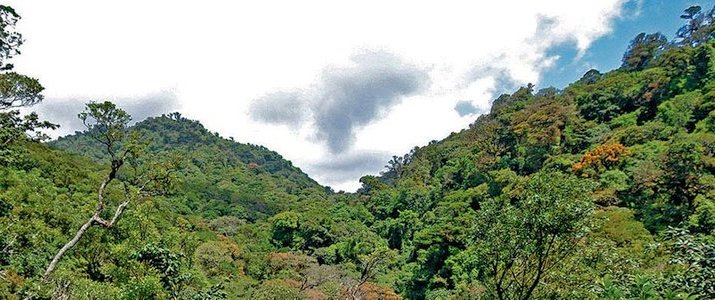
(604, 189)
(219, 175)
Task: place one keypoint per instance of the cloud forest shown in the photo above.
(601, 189)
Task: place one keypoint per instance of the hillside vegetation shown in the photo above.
(602, 190)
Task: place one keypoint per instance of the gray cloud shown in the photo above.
(345, 98)
(464, 108)
(64, 111)
(344, 168)
(280, 108)
(356, 96)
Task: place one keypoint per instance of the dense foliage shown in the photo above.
(602, 190)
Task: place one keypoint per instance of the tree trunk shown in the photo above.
(94, 219)
(67, 246)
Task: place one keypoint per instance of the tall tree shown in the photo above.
(699, 27)
(107, 124)
(643, 49)
(16, 90)
(395, 167)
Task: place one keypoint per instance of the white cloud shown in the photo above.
(218, 56)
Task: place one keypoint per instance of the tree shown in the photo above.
(699, 27)
(518, 242)
(303, 271)
(643, 49)
(395, 167)
(107, 124)
(590, 77)
(600, 159)
(167, 263)
(14, 127)
(19, 91)
(369, 266)
(10, 40)
(16, 91)
(216, 258)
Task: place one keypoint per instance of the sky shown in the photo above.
(337, 87)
